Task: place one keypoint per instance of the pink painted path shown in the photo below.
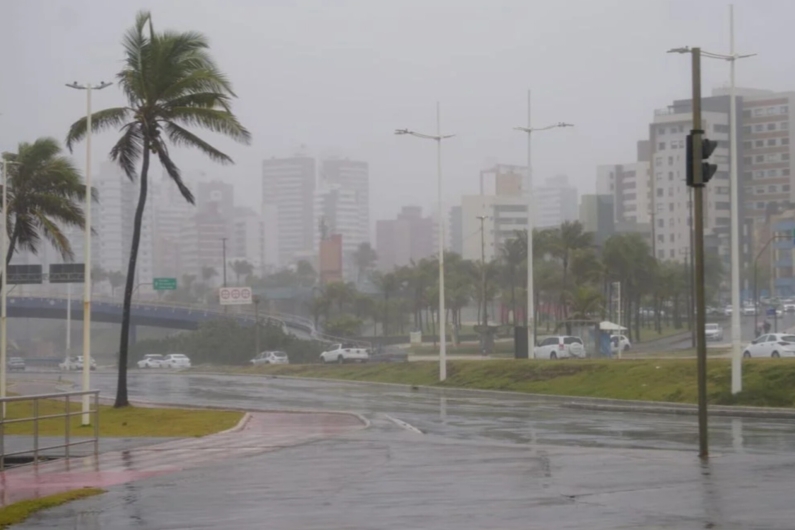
(263, 432)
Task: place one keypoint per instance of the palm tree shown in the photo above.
(569, 238)
(116, 279)
(365, 258)
(389, 284)
(242, 268)
(170, 82)
(208, 273)
(45, 193)
(98, 275)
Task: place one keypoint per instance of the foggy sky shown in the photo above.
(340, 75)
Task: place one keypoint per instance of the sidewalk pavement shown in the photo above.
(257, 433)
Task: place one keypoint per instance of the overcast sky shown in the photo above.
(340, 75)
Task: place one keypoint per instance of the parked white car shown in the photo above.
(748, 310)
(271, 357)
(771, 345)
(713, 332)
(559, 347)
(175, 360)
(345, 353)
(151, 360)
(789, 307)
(619, 343)
(727, 311)
(75, 363)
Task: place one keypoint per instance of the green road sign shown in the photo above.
(164, 284)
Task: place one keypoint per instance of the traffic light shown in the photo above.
(707, 169)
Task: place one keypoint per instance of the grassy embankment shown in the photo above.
(124, 422)
(19, 511)
(766, 382)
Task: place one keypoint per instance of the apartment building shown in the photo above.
(407, 238)
(555, 202)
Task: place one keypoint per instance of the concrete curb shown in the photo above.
(240, 425)
(579, 402)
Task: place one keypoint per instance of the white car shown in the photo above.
(789, 308)
(748, 311)
(619, 343)
(151, 360)
(345, 353)
(75, 363)
(175, 360)
(559, 347)
(727, 311)
(771, 345)
(271, 357)
(713, 332)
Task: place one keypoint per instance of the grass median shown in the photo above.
(123, 422)
(19, 511)
(769, 383)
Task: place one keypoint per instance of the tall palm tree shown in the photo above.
(512, 253)
(242, 268)
(170, 82)
(364, 257)
(569, 237)
(45, 193)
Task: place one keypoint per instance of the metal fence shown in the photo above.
(35, 418)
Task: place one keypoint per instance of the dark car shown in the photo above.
(388, 354)
(16, 364)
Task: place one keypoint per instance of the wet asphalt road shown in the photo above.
(479, 462)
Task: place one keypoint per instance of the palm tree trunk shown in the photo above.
(386, 315)
(121, 386)
(513, 298)
(12, 243)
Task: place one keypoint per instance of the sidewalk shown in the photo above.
(257, 433)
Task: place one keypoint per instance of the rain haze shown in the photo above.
(339, 76)
(364, 322)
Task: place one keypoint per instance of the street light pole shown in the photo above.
(3, 284)
(438, 137)
(530, 314)
(86, 420)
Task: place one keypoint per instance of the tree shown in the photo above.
(568, 238)
(45, 193)
(98, 275)
(208, 273)
(388, 284)
(116, 279)
(170, 82)
(242, 268)
(305, 274)
(365, 258)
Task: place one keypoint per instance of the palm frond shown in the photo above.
(173, 171)
(53, 233)
(104, 119)
(207, 82)
(219, 121)
(183, 137)
(127, 150)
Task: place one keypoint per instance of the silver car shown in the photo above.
(271, 357)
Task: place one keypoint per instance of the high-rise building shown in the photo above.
(671, 199)
(118, 198)
(247, 237)
(407, 238)
(597, 216)
(555, 203)
(171, 213)
(288, 198)
(630, 186)
(504, 217)
(343, 207)
(456, 230)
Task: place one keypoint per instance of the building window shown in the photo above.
(660, 224)
(671, 253)
(722, 206)
(658, 162)
(670, 160)
(771, 126)
(759, 111)
(661, 130)
(757, 158)
(785, 172)
(660, 238)
(747, 160)
(772, 172)
(721, 128)
(659, 192)
(672, 238)
(784, 126)
(661, 146)
(783, 109)
(671, 208)
(772, 188)
(759, 143)
(747, 145)
(747, 129)
(759, 191)
(784, 141)
(784, 156)
(771, 142)
(760, 174)
(759, 127)
(670, 175)
(759, 206)
(670, 192)
(785, 187)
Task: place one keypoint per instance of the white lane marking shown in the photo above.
(403, 425)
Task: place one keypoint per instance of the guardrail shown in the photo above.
(35, 418)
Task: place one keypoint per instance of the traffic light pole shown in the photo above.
(698, 243)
